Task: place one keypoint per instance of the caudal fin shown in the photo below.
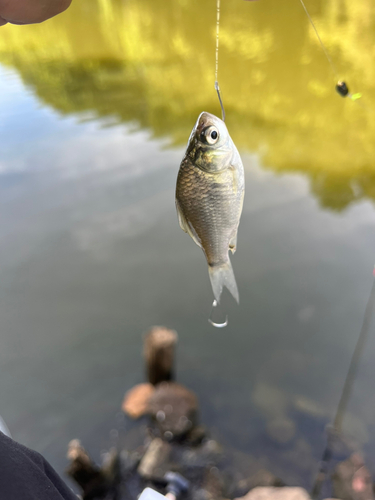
(221, 276)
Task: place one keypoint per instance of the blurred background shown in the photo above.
(96, 107)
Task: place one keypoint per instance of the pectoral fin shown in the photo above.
(185, 226)
(181, 218)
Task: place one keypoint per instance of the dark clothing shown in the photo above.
(26, 475)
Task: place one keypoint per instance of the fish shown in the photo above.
(210, 191)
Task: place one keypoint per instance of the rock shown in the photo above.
(76, 452)
(154, 463)
(356, 428)
(352, 480)
(285, 493)
(243, 465)
(262, 477)
(129, 461)
(196, 435)
(281, 429)
(309, 407)
(202, 494)
(300, 457)
(207, 455)
(111, 466)
(241, 468)
(213, 483)
(174, 409)
(159, 347)
(340, 444)
(86, 473)
(135, 402)
(270, 400)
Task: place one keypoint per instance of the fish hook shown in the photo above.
(221, 102)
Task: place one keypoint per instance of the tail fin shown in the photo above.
(223, 276)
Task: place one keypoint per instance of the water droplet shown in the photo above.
(160, 416)
(168, 435)
(217, 312)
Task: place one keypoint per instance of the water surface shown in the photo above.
(95, 110)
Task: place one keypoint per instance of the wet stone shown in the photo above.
(300, 457)
(242, 465)
(352, 480)
(262, 477)
(285, 493)
(159, 349)
(281, 430)
(111, 465)
(203, 494)
(309, 407)
(270, 400)
(155, 462)
(341, 445)
(174, 409)
(93, 481)
(196, 435)
(136, 400)
(356, 428)
(208, 453)
(130, 460)
(213, 483)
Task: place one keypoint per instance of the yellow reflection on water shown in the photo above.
(151, 62)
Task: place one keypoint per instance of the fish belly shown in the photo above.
(211, 205)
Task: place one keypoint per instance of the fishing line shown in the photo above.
(320, 40)
(217, 88)
(341, 86)
(336, 429)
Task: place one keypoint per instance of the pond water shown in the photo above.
(96, 107)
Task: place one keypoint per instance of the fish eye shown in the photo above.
(211, 135)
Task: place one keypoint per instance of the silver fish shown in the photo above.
(209, 197)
